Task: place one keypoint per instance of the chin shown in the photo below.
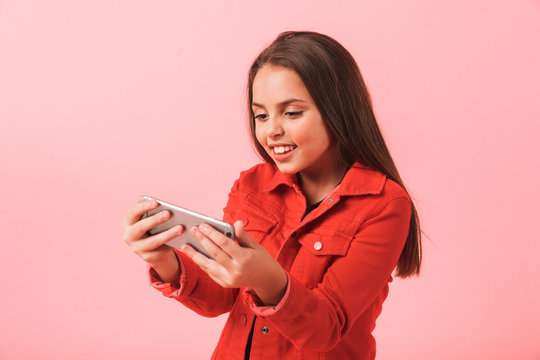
(287, 169)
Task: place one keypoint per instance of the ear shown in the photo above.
(242, 236)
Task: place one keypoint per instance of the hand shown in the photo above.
(242, 264)
(151, 248)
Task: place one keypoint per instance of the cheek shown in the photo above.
(313, 140)
(325, 139)
(259, 135)
(302, 136)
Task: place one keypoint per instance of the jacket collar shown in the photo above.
(280, 178)
(359, 180)
(362, 180)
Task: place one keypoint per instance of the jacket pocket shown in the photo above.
(332, 244)
(317, 251)
(257, 222)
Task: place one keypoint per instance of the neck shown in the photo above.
(317, 186)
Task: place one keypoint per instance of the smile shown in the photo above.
(283, 149)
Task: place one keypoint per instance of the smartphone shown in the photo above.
(187, 219)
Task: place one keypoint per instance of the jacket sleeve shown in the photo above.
(196, 290)
(317, 319)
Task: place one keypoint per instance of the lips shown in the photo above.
(282, 152)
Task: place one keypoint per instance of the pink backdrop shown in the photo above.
(101, 102)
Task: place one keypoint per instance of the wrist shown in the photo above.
(273, 292)
(168, 269)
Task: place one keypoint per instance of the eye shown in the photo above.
(293, 113)
(261, 117)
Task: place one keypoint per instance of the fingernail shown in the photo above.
(204, 227)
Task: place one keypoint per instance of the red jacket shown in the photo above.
(339, 260)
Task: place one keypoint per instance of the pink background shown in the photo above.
(103, 101)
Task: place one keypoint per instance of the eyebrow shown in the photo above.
(286, 102)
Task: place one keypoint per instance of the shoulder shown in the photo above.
(392, 190)
(249, 182)
(257, 177)
(261, 170)
(371, 191)
(362, 180)
(392, 202)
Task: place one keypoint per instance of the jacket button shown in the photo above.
(293, 234)
(317, 245)
(265, 329)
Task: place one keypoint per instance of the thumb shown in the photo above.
(242, 236)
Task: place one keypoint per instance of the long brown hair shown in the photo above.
(335, 83)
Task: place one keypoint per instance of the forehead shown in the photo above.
(275, 84)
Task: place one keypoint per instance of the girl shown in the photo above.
(320, 225)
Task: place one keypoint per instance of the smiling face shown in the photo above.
(288, 124)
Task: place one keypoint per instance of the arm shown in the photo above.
(317, 319)
(193, 287)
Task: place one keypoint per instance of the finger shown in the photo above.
(227, 244)
(135, 213)
(210, 245)
(242, 236)
(139, 229)
(207, 265)
(153, 242)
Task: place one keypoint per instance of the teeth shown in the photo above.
(282, 149)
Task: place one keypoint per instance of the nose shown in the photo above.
(275, 127)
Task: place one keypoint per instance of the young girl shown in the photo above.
(320, 226)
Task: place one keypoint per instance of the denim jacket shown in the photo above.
(339, 260)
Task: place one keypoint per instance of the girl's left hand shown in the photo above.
(242, 264)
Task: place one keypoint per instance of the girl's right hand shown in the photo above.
(152, 249)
